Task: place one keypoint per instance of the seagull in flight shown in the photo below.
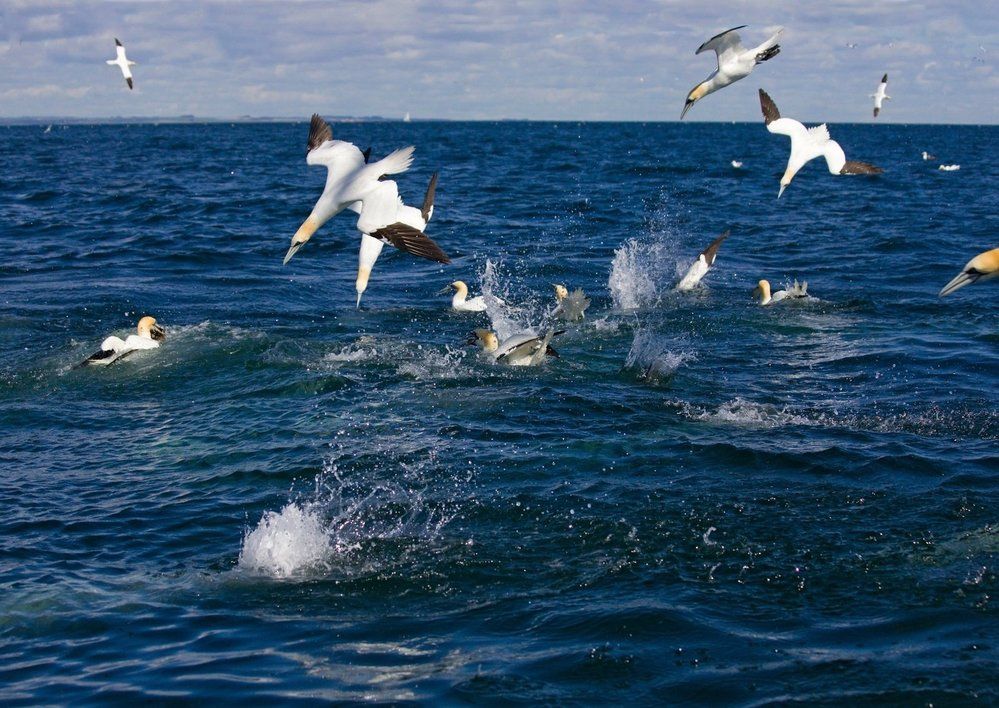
(880, 95)
(809, 143)
(349, 180)
(734, 62)
(122, 62)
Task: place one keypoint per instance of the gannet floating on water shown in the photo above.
(734, 62)
(809, 143)
(386, 219)
(928, 156)
(149, 334)
(571, 306)
(461, 302)
(348, 181)
(984, 266)
(949, 168)
(122, 62)
(796, 291)
(736, 164)
(880, 95)
(521, 349)
(700, 267)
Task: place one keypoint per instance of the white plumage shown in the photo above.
(796, 291)
(880, 95)
(520, 349)
(148, 336)
(700, 267)
(122, 62)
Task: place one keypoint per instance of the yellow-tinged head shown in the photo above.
(695, 95)
(460, 287)
(149, 329)
(486, 339)
(361, 284)
(301, 236)
(561, 292)
(762, 290)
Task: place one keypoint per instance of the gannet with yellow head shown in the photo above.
(796, 291)
(460, 301)
(570, 306)
(984, 266)
(122, 62)
(349, 179)
(807, 144)
(148, 336)
(521, 349)
(734, 62)
(880, 95)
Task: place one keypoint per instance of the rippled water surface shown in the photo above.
(701, 500)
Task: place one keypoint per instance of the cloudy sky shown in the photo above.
(491, 59)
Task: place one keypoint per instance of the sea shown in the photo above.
(700, 501)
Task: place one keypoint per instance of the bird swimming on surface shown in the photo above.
(521, 349)
(348, 180)
(734, 62)
(984, 266)
(928, 156)
(809, 143)
(386, 219)
(700, 267)
(571, 306)
(461, 302)
(796, 291)
(122, 62)
(149, 335)
(736, 164)
(949, 168)
(880, 95)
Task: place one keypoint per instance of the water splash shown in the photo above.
(287, 542)
(654, 357)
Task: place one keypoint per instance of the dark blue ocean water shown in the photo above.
(702, 500)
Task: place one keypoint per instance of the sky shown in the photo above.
(496, 59)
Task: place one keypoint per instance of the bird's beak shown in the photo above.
(444, 291)
(782, 188)
(959, 282)
(292, 251)
(157, 333)
(686, 107)
(358, 305)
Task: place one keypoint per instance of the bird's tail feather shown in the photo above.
(768, 53)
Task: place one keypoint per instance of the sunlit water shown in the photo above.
(700, 500)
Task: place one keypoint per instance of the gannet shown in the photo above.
(113, 348)
(699, 268)
(736, 164)
(386, 219)
(984, 266)
(571, 306)
(880, 95)
(122, 62)
(928, 156)
(521, 349)
(949, 168)
(766, 298)
(461, 302)
(734, 62)
(807, 144)
(348, 181)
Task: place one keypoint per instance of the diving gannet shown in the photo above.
(880, 95)
(928, 156)
(521, 349)
(122, 62)
(984, 266)
(386, 219)
(114, 348)
(461, 302)
(571, 306)
(734, 62)
(700, 267)
(348, 181)
(807, 144)
(766, 298)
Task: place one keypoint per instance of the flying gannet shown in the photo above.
(386, 219)
(880, 95)
(796, 291)
(928, 156)
(809, 143)
(984, 266)
(113, 348)
(699, 268)
(734, 62)
(461, 302)
(571, 306)
(348, 180)
(521, 349)
(122, 62)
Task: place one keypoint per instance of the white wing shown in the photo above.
(789, 127)
(835, 157)
(725, 45)
(379, 208)
(120, 52)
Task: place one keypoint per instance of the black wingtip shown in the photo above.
(769, 108)
(117, 42)
(884, 79)
(428, 198)
(319, 132)
(129, 82)
(367, 155)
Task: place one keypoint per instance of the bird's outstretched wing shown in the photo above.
(723, 44)
(854, 167)
(428, 199)
(711, 252)
(319, 132)
(770, 112)
(412, 241)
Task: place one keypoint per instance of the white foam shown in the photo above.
(287, 543)
(754, 415)
(655, 357)
(433, 364)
